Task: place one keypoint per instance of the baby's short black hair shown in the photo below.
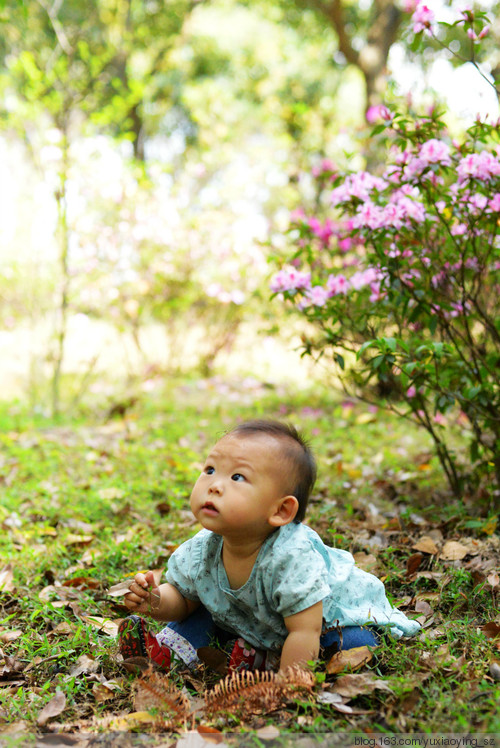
(296, 452)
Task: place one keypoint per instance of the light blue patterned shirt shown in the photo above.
(293, 570)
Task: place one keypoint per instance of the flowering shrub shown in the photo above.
(401, 280)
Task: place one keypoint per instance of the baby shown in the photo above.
(255, 579)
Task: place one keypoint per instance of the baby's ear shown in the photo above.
(285, 512)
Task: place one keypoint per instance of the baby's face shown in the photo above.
(242, 482)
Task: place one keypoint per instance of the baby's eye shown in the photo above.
(238, 477)
(209, 470)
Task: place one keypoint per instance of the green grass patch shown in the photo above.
(86, 502)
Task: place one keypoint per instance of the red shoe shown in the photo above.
(244, 657)
(137, 641)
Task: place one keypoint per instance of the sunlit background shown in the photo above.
(129, 254)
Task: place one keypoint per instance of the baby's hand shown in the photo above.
(143, 595)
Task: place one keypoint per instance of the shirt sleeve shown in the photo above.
(184, 567)
(299, 581)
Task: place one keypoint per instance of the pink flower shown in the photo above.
(422, 19)
(289, 280)
(481, 166)
(393, 215)
(345, 244)
(370, 215)
(459, 229)
(323, 232)
(411, 391)
(411, 209)
(435, 151)
(414, 167)
(318, 295)
(494, 203)
(478, 202)
(358, 185)
(337, 284)
(363, 278)
(297, 215)
(326, 168)
(377, 112)
(376, 293)
(472, 263)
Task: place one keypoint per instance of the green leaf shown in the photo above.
(364, 347)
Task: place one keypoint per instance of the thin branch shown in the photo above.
(57, 25)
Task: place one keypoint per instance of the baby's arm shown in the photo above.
(164, 602)
(302, 642)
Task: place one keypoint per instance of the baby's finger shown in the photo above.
(141, 580)
(137, 599)
(139, 590)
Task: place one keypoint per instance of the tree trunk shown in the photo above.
(62, 310)
(371, 60)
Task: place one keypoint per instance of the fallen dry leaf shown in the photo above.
(353, 684)
(72, 539)
(119, 589)
(90, 556)
(193, 739)
(10, 665)
(352, 658)
(16, 728)
(422, 607)
(62, 629)
(6, 579)
(63, 593)
(212, 734)
(413, 563)
(105, 691)
(410, 701)
(329, 697)
(132, 720)
(84, 664)
(426, 545)
(111, 493)
(491, 630)
(453, 551)
(103, 624)
(268, 732)
(493, 579)
(55, 706)
(214, 658)
(365, 561)
(82, 583)
(136, 665)
(10, 636)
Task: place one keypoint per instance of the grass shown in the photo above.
(89, 501)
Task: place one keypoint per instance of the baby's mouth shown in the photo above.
(209, 508)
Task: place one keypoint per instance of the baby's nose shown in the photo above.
(215, 486)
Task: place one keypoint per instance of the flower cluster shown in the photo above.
(426, 185)
(402, 268)
(422, 18)
(417, 251)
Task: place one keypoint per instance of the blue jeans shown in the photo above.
(200, 630)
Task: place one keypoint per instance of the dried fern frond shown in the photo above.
(154, 691)
(246, 693)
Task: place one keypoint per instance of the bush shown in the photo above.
(406, 281)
